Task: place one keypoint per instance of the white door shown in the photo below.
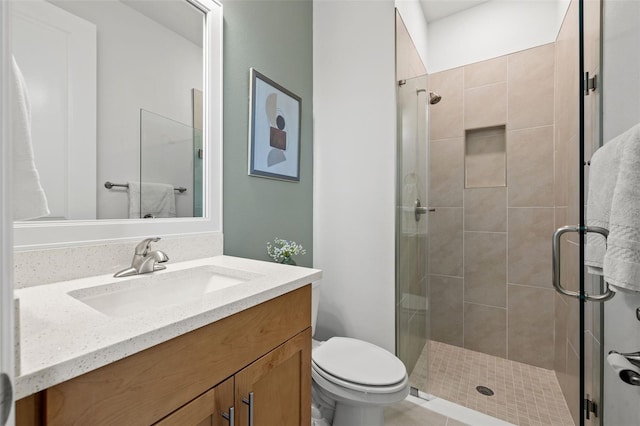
(7, 416)
(56, 52)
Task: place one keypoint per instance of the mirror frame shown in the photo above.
(30, 235)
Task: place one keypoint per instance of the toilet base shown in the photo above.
(350, 415)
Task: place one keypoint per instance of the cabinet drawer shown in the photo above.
(145, 387)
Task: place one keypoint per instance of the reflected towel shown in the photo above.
(603, 177)
(155, 199)
(621, 266)
(29, 199)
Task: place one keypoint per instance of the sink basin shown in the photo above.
(125, 297)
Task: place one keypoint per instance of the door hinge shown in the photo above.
(590, 83)
(590, 406)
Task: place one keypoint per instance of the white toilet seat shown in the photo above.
(359, 372)
(354, 397)
(359, 387)
(358, 364)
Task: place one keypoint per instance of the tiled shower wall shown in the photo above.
(490, 250)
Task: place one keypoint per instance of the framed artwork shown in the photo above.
(274, 130)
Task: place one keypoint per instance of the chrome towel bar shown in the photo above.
(110, 185)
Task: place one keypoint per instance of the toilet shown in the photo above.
(352, 379)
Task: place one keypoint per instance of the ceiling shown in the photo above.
(436, 9)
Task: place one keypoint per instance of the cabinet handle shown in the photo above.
(249, 402)
(230, 416)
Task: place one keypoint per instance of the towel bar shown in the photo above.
(110, 185)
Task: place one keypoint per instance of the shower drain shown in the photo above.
(484, 390)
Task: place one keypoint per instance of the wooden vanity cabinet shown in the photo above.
(270, 387)
(261, 355)
(208, 409)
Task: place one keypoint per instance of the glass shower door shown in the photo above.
(412, 230)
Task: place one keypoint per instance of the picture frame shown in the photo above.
(274, 129)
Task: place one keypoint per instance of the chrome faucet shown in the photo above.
(144, 259)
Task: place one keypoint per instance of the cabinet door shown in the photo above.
(206, 410)
(276, 389)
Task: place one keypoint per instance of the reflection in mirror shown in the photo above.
(91, 67)
(169, 152)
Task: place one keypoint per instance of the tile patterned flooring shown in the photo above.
(524, 395)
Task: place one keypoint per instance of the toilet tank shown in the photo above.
(315, 301)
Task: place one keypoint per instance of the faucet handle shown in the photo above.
(143, 247)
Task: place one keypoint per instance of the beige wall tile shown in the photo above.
(573, 187)
(560, 217)
(446, 116)
(530, 167)
(446, 173)
(531, 87)
(531, 325)
(485, 272)
(571, 390)
(446, 309)
(485, 72)
(408, 62)
(561, 170)
(485, 329)
(561, 312)
(567, 76)
(573, 322)
(417, 336)
(403, 333)
(570, 265)
(406, 253)
(485, 106)
(529, 246)
(445, 244)
(485, 157)
(485, 209)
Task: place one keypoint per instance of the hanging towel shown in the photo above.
(603, 177)
(29, 199)
(155, 199)
(621, 266)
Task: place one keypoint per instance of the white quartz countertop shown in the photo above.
(61, 337)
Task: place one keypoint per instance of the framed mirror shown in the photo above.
(126, 128)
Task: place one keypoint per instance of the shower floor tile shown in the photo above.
(523, 394)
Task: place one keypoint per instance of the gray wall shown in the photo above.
(275, 38)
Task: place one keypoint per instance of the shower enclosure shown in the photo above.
(499, 168)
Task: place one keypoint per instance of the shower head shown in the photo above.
(434, 98)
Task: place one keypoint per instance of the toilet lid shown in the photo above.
(357, 361)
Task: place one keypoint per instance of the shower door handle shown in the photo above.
(608, 293)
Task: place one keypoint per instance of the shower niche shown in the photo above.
(485, 157)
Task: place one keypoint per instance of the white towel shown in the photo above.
(29, 199)
(155, 199)
(603, 176)
(621, 266)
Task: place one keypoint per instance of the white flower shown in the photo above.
(283, 249)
